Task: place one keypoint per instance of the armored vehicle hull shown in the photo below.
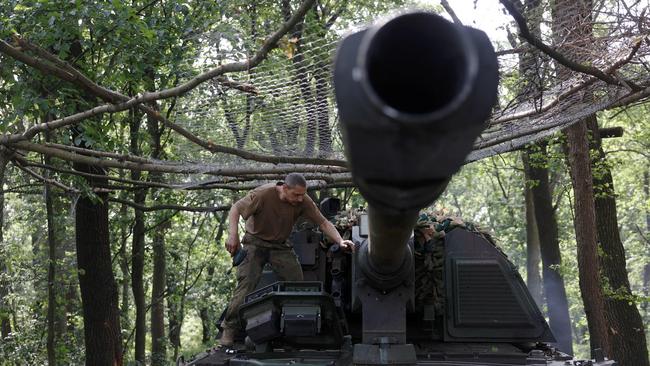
(470, 307)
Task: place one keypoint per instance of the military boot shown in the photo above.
(227, 337)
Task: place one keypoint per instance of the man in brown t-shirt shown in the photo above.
(270, 212)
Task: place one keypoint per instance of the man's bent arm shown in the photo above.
(232, 244)
(328, 229)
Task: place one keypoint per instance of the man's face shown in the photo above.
(294, 195)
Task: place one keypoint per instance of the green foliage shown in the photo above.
(140, 46)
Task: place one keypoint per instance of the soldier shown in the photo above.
(270, 212)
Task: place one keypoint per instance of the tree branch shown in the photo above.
(224, 183)
(173, 168)
(450, 11)
(510, 51)
(103, 154)
(246, 88)
(19, 189)
(68, 73)
(335, 15)
(632, 98)
(169, 207)
(559, 57)
(48, 181)
(640, 232)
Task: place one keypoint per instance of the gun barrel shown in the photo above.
(384, 255)
(413, 93)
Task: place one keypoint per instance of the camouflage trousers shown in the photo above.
(283, 260)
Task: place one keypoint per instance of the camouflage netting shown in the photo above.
(292, 111)
(285, 107)
(428, 244)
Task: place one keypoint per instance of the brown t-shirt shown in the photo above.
(271, 219)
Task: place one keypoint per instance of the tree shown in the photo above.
(137, 246)
(102, 331)
(571, 23)
(5, 323)
(626, 330)
(158, 340)
(51, 272)
(98, 287)
(646, 267)
(541, 223)
(533, 254)
(586, 236)
(536, 166)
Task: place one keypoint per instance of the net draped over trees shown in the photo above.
(282, 110)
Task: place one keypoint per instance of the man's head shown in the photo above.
(294, 188)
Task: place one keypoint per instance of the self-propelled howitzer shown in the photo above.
(413, 92)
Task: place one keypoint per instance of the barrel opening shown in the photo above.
(417, 63)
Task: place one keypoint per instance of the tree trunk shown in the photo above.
(51, 271)
(302, 79)
(646, 290)
(181, 314)
(173, 310)
(251, 101)
(72, 302)
(206, 322)
(646, 268)
(530, 89)
(572, 30)
(533, 254)
(586, 235)
(5, 308)
(67, 286)
(207, 309)
(556, 299)
(37, 267)
(137, 275)
(137, 248)
(124, 267)
(102, 332)
(626, 330)
(158, 341)
(176, 304)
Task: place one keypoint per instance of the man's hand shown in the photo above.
(347, 246)
(232, 244)
(328, 229)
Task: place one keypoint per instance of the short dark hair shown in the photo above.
(295, 179)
